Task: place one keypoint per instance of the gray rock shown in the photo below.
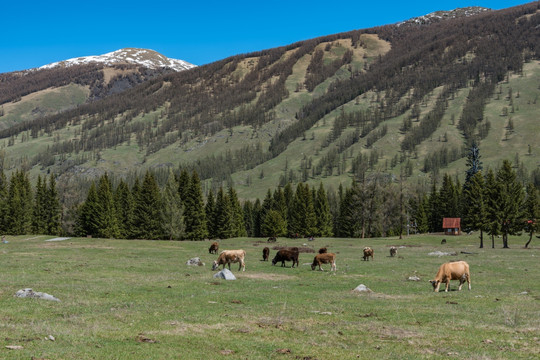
(362, 288)
(196, 261)
(413, 278)
(29, 293)
(440, 253)
(225, 274)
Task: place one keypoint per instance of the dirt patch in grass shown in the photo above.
(265, 276)
(62, 245)
(180, 328)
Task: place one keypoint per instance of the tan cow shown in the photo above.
(456, 270)
(367, 253)
(326, 258)
(214, 247)
(230, 256)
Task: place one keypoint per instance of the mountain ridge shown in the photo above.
(136, 56)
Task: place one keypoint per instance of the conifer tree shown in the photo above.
(124, 204)
(322, 213)
(223, 215)
(20, 202)
(448, 198)
(107, 220)
(238, 225)
(274, 224)
(474, 210)
(422, 217)
(3, 202)
(511, 201)
(210, 211)
(280, 203)
(136, 231)
(473, 162)
(257, 211)
(38, 217)
(53, 209)
(172, 210)
(492, 196)
(249, 218)
(88, 214)
(183, 185)
(195, 217)
(435, 218)
(266, 206)
(148, 209)
(532, 211)
(350, 217)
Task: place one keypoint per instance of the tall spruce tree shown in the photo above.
(53, 209)
(223, 215)
(474, 211)
(257, 210)
(435, 218)
(195, 217)
(172, 210)
(531, 211)
(322, 213)
(20, 203)
(3, 202)
(474, 164)
(492, 196)
(274, 224)
(148, 209)
(88, 214)
(124, 210)
(39, 218)
(511, 201)
(238, 225)
(210, 211)
(107, 220)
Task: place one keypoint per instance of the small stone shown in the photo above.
(413, 278)
(225, 274)
(362, 288)
(196, 261)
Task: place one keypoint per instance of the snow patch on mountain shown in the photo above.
(444, 15)
(147, 58)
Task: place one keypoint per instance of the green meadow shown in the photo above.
(131, 299)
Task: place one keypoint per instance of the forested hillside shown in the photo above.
(397, 101)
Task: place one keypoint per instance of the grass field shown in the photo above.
(123, 299)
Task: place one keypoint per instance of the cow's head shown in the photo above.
(313, 266)
(435, 284)
(274, 261)
(215, 265)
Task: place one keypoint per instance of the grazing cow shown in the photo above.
(266, 254)
(367, 253)
(456, 270)
(214, 247)
(230, 256)
(271, 239)
(443, 241)
(393, 251)
(327, 258)
(323, 250)
(283, 255)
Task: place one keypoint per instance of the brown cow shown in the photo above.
(393, 251)
(327, 258)
(456, 270)
(323, 250)
(283, 255)
(230, 256)
(367, 253)
(266, 254)
(214, 247)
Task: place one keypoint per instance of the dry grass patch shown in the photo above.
(266, 276)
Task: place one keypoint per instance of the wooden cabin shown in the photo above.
(451, 226)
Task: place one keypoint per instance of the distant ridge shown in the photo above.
(147, 58)
(444, 15)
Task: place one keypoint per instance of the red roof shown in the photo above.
(451, 223)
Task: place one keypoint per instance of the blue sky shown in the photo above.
(35, 33)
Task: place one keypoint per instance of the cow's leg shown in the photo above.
(447, 285)
(469, 280)
(333, 266)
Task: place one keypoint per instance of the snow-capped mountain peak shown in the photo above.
(148, 58)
